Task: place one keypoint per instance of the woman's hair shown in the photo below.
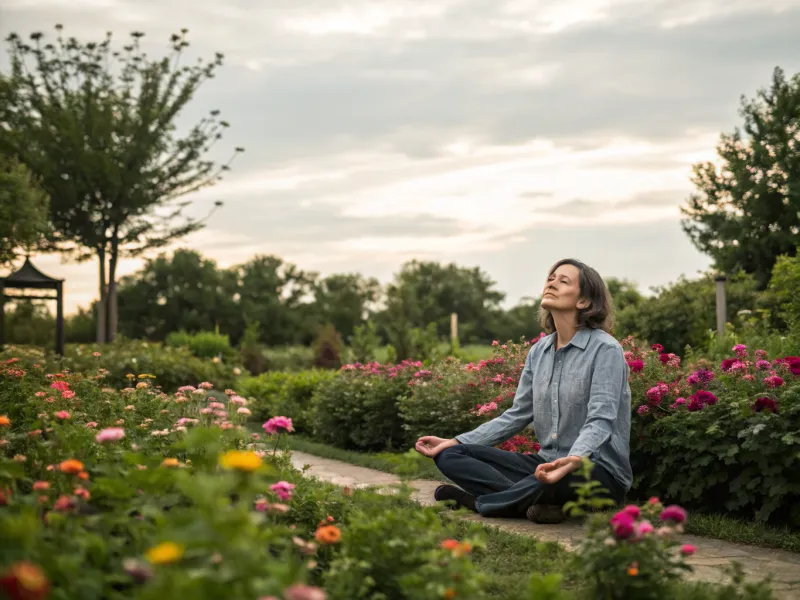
(599, 313)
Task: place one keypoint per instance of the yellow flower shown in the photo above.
(240, 461)
(165, 553)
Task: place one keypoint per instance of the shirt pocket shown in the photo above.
(576, 389)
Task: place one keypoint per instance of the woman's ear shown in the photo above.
(583, 304)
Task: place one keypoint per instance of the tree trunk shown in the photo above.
(101, 304)
(111, 300)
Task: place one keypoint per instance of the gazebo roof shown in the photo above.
(28, 276)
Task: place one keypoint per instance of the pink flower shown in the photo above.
(40, 394)
(633, 511)
(91, 425)
(688, 549)
(301, 591)
(238, 400)
(62, 414)
(40, 486)
(243, 411)
(218, 405)
(206, 411)
(67, 394)
(283, 489)
(623, 525)
(763, 365)
(741, 350)
(644, 528)
(657, 347)
(261, 505)
(643, 410)
(773, 381)
(60, 385)
(206, 385)
(110, 434)
(486, 408)
(673, 513)
(495, 343)
(278, 424)
(636, 365)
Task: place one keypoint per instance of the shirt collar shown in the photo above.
(579, 340)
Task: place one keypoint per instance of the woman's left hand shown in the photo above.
(555, 471)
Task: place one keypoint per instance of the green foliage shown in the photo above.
(173, 367)
(203, 344)
(31, 323)
(358, 409)
(289, 358)
(23, 208)
(747, 210)
(783, 287)
(281, 393)
(684, 312)
(364, 343)
(344, 299)
(328, 348)
(252, 351)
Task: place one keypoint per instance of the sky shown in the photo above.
(504, 134)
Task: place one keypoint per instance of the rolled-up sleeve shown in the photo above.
(512, 421)
(609, 376)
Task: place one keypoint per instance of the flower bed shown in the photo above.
(718, 437)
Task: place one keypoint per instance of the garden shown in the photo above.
(163, 480)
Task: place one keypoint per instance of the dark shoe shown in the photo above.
(545, 514)
(452, 493)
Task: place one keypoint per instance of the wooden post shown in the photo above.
(454, 327)
(722, 308)
(60, 318)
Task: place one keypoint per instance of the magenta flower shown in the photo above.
(636, 365)
(658, 348)
(633, 511)
(278, 424)
(643, 528)
(283, 489)
(741, 350)
(706, 397)
(726, 364)
(688, 549)
(654, 395)
(765, 404)
(110, 434)
(664, 357)
(643, 410)
(763, 365)
(623, 525)
(673, 513)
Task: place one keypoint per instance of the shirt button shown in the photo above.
(553, 436)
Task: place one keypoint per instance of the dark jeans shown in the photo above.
(503, 482)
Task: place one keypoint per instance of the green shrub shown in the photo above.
(204, 344)
(364, 343)
(287, 394)
(328, 348)
(251, 350)
(359, 409)
(173, 367)
(289, 358)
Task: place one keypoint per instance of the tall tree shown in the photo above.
(747, 211)
(99, 127)
(345, 300)
(23, 210)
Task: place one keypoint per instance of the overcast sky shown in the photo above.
(500, 133)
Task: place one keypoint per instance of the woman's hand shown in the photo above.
(431, 446)
(555, 471)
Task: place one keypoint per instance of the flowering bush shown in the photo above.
(136, 493)
(452, 397)
(737, 423)
(359, 408)
(637, 552)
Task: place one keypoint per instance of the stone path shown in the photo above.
(709, 562)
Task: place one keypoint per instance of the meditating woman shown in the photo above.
(574, 390)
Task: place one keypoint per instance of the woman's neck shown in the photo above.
(566, 327)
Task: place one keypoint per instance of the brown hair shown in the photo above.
(599, 314)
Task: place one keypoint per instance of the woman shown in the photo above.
(574, 389)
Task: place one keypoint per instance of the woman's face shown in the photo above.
(562, 290)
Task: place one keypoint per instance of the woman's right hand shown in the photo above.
(431, 446)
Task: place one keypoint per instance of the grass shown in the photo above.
(413, 466)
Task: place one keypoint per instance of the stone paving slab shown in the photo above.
(710, 561)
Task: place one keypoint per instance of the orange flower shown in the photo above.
(24, 580)
(83, 475)
(170, 462)
(71, 466)
(449, 593)
(328, 534)
(633, 570)
(456, 547)
(5, 421)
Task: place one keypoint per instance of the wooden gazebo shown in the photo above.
(28, 277)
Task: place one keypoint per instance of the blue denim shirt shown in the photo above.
(578, 400)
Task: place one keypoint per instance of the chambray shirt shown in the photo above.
(578, 400)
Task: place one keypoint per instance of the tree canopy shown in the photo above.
(23, 210)
(747, 209)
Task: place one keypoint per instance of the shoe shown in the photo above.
(545, 514)
(462, 499)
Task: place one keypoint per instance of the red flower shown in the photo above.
(24, 581)
(765, 404)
